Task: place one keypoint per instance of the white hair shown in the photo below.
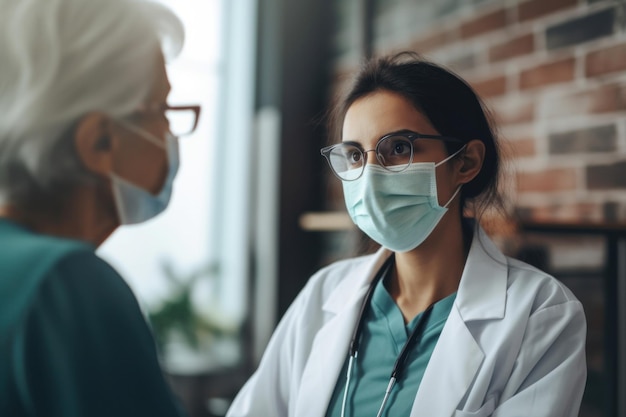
(61, 59)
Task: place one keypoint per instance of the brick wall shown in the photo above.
(552, 71)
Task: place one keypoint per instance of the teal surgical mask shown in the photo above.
(398, 210)
(135, 204)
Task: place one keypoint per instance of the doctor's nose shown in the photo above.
(372, 159)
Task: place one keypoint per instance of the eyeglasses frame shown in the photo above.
(409, 135)
(163, 107)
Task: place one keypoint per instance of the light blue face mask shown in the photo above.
(133, 203)
(398, 210)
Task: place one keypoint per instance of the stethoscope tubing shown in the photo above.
(402, 358)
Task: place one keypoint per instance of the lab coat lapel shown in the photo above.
(330, 346)
(450, 371)
(458, 357)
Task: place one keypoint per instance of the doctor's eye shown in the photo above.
(401, 147)
(395, 150)
(353, 155)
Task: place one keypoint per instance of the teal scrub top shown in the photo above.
(382, 340)
(73, 341)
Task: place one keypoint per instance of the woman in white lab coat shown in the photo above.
(438, 322)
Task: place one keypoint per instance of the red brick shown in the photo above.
(605, 61)
(536, 8)
(434, 40)
(551, 73)
(519, 46)
(523, 147)
(483, 24)
(560, 179)
(490, 87)
(608, 98)
(605, 99)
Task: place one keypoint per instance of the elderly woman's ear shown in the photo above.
(94, 142)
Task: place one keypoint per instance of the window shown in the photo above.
(174, 252)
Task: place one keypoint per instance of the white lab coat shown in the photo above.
(513, 345)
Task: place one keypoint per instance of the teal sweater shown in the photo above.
(73, 341)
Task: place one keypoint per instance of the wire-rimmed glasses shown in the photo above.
(183, 120)
(394, 153)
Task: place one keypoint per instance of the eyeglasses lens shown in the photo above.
(347, 161)
(395, 153)
(182, 121)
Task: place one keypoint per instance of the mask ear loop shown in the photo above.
(459, 187)
(450, 157)
(453, 196)
(143, 133)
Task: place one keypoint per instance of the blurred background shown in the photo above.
(255, 211)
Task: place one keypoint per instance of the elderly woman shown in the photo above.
(85, 145)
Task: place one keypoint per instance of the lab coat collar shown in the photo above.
(482, 290)
(330, 346)
(359, 278)
(481, 296)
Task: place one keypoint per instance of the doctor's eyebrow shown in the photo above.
(398, 132)
(395, 132)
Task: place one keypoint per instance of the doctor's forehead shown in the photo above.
(380, 113)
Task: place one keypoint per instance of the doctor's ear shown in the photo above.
(472, 161)
(94, 143)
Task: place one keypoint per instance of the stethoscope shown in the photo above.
(353, 352)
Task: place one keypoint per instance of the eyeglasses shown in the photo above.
(183, 120)
(394, 152)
